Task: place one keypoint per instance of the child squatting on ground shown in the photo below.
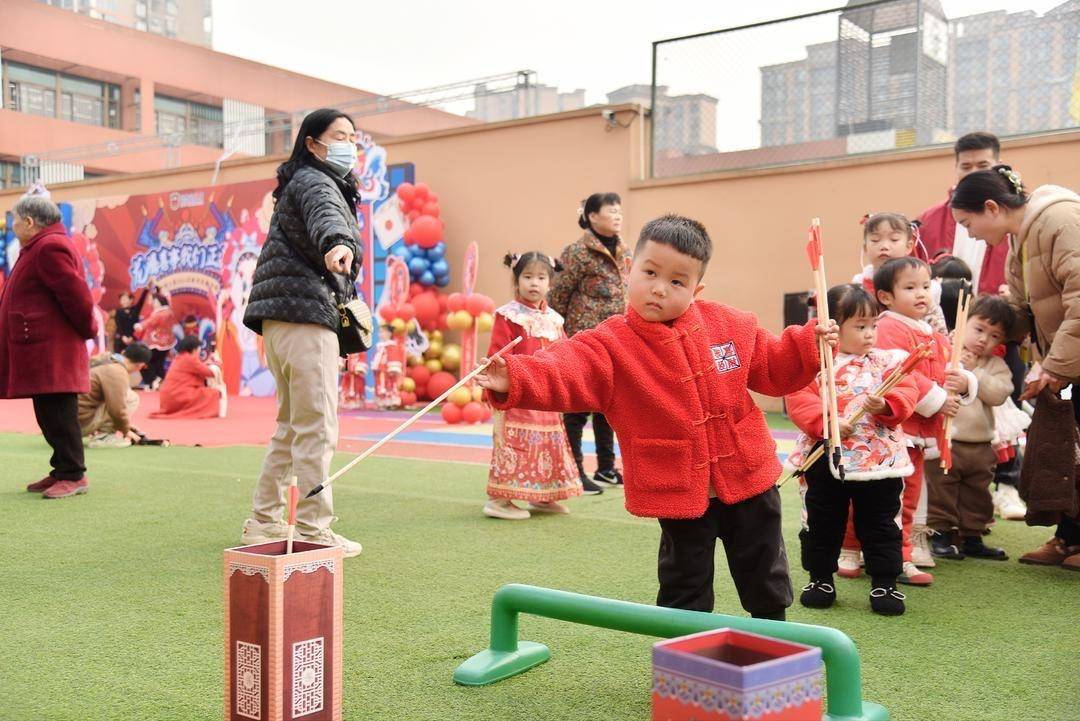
(530, 458)
(673, 376)
(874, 455)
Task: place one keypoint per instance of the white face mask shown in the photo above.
(340, 156)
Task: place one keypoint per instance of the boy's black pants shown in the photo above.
(757, 560)
(604, 435)
(876, 506)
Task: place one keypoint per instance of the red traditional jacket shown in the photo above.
(46, 315)
(678, 396)
(877, 448)
(925, 425)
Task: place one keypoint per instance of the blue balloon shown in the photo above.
(417, 265)
(437, 251)
(427, 278)
(401, 251)
(440, 267)
(442, 281)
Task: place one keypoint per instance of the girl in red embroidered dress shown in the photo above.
(531, 458)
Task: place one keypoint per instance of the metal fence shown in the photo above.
(867, 77)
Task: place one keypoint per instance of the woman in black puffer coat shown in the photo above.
(313, 236)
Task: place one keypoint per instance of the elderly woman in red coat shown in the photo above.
(46, 317)
(192, 389)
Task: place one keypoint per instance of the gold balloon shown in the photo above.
(461, 396)
(435, 335)
(397, 326)
(478, 394)
(485, 322)
(408, 385)
(434, 365)
(435, 349)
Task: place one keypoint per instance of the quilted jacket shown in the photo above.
(592, 286)
(311, 217)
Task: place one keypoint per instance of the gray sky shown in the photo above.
(392, 47)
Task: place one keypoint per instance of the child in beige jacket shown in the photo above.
(960, 501)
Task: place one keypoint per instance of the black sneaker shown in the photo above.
(942, 546)
(818, 593)
(609, 478)
(588, 488)
(886, 600)
(974, 547)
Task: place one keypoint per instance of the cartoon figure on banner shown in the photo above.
(255, 379)
(370, 170)
(94, 272)
(201, 328)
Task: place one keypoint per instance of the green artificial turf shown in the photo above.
(112, 602)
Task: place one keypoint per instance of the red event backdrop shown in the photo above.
(200, 245)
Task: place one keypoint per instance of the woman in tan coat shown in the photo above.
(1043, 272)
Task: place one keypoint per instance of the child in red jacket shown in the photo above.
(673, 377)
(874, 454)
(903, 287)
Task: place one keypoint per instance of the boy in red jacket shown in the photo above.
(673, 377)
(903, 288)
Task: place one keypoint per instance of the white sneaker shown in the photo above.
(329, 538)
(256, 532)
(505, 509)
(108, 440)
(1007, 503)
(848, 563)
(920, 551)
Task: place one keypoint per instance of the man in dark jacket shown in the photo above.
(46, 316)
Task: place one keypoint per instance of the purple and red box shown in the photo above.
(729, 675)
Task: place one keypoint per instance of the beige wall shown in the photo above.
(517, 185)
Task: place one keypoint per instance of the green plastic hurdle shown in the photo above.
(507, 656)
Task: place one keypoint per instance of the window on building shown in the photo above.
(199, 123)
(38, 91)
(11, 175)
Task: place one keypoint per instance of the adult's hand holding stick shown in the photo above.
(419, 414)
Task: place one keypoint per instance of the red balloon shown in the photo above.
(451, 413)
(431, 209)
(413, 215)
(387, 312)
(410, 239)
(426, 306)
(415, 289)
(487, 412)
(440, 383)
(422, 191)
(427, 231)
(406, 192)
(432, 197)
(489, 305)
(455, 302)
(406, 311)
(473, 412)
(444, 302)
(420, 374)
(475, 304)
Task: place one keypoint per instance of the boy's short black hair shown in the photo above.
(996, 310)
(885, 276)
(138, 353)
(980, 140)
(949, 266)
(188, 344)
(685, 235)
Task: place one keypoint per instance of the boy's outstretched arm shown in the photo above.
(575, 375)
(787, 363)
